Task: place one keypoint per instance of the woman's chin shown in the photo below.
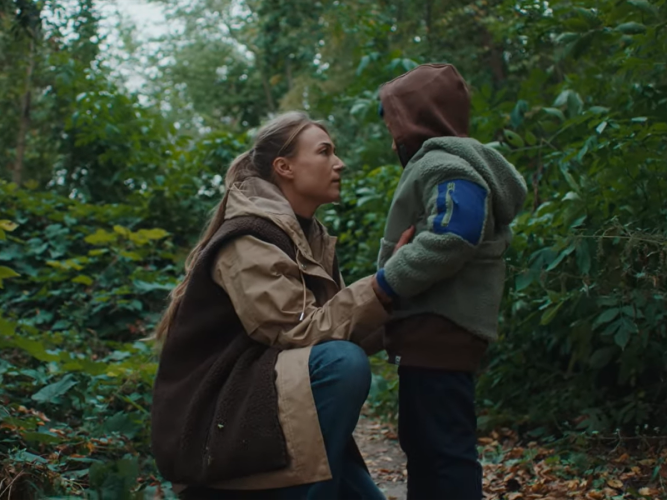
(332, 197)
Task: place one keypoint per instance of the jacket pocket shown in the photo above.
(386, 250)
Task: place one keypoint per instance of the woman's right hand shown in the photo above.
(405, 238)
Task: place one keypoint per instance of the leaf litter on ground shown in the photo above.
(516, 469)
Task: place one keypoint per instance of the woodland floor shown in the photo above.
(515, 470)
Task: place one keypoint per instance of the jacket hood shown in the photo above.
(261, 198)
(430, 101)
(507, 185)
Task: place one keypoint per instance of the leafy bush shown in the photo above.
(75, 375)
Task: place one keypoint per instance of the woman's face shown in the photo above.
(315, 170)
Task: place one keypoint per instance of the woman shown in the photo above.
(261, 376)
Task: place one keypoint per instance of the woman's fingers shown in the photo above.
(405, 238)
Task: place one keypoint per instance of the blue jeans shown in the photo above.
(340, 377)
(437, 430)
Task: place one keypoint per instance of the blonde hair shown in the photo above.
(275, 139)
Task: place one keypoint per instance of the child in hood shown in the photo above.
(447, 284)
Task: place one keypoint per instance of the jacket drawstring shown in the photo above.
(305, 291)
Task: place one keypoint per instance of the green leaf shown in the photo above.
(130, 255)
(122, 230)
(606, 317)
(365, 60)
(6, 273)
(42, 437)
(565, 38)
(555, 112)
(645, 6)
(550, 314)
(571, 182)
(51, 392)
(598, 110)
(583, 258)
(98, 251)
(612, 328)
(122, 423)
(8, 225)
(581, 45)
(514, 139)
(524, 280)
(101, 237)
(7, 327)
(530, 138)
(560, 257)
(83, 279)
(144, 235)
(35, 348)
(574, 104)
(601, 357)
(622, 338)
(631, 28)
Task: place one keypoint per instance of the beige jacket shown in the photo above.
(269, 294)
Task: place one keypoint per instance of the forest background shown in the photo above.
(113, 148)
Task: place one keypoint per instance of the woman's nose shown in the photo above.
(338, 164)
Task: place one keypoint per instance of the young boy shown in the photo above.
(448, 282)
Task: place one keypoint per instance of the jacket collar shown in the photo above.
(255, 196)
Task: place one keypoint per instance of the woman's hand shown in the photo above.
(405, 238)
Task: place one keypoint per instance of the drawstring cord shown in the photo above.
(303, 285)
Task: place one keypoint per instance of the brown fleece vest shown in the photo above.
(215, 406)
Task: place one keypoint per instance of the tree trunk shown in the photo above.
(24, 119)
(428, 20)
(495, 59)
(267, 92)
(288, 73)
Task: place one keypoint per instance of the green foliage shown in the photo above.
(75, 374)
(573, 92)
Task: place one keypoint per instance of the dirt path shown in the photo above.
(527, 471)
(385, 459)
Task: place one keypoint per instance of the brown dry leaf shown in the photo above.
(645, 492)
(515, 495)
(615, 483)
(595, 495)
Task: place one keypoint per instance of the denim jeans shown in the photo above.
(340, 378)
(437, 431)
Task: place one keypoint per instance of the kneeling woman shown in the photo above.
(261, 376)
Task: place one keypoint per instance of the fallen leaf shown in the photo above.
(615, 483)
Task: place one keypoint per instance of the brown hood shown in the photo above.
(430, 101)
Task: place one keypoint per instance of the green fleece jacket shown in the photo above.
(461, 196)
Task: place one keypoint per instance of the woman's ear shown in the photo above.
(282, 168)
